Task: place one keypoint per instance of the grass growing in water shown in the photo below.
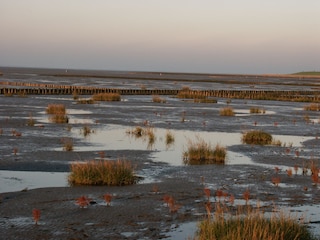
(257, 137)
(103, 172)
(106, 97)
(169, 137)
(201, 152)
(158, 99)
(227, 111)
(56, 109)
(256, 110)
(58, 113)
(251, 224)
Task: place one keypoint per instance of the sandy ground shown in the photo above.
(138, 211)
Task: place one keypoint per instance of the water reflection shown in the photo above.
(116, 137)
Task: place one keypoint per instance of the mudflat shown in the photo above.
(139, 211)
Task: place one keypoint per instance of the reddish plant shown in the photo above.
(107, 197)
(83, 201)
(314, 173)
(277, 169)
(173, 206)
(297, 153)
(276, 181)
(288, 150)
(207, 192)
(15, 151)
(166, 199)
(289, 172)
(246, 196)
(225, 195)
(219, 194)
(36, 215)
(296, 168)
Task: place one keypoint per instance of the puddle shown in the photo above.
(115, 137)
(246, 112)
(20, 180)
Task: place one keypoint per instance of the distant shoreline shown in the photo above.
(152, 75)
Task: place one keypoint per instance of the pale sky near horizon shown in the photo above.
(206, 36)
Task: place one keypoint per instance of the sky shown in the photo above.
(204, 36)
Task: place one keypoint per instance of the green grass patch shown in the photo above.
(257, 137)
(102, 172)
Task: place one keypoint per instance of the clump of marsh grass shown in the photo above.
(312, 107)
(85, 101)
(106, 97)
(56, 109)
(254, 110)
(201, 152)
(257, 137)
(102, 172)
(158, 99)
(31, 122)
(143, 132)
(251, 224)
(58, 113)
(197, 96)
(169, 138)
(86, 130)
(67, 144)
(226, 111)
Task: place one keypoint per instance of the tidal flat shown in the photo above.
(34, 165)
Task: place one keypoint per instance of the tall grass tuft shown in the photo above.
(201, 152)
(257, 137)
(312, 107)
(106, 97)
(56, 109)
(251, 224)
(227, 111)
(58, 113)
(169, 138)
(102, 172)
(257, 110)
(158, 99)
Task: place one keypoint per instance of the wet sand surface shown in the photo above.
(138, 211)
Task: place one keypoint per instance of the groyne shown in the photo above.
(23, 88)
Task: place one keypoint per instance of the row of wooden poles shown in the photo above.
(23, 88)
